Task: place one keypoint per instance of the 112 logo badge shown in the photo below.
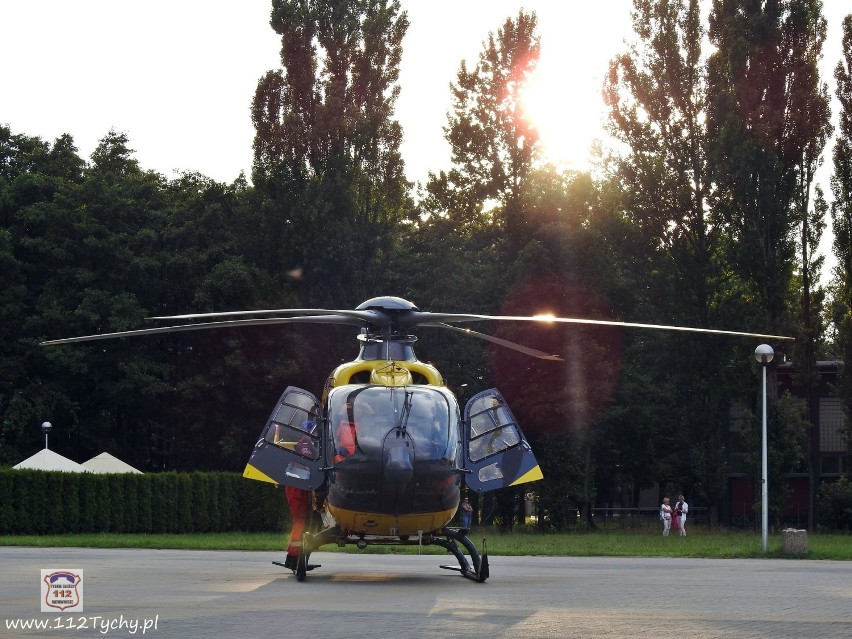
(61, 590)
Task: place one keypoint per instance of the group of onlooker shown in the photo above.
(674, 516)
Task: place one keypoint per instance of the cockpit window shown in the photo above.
(293, 427)
(362, 417)
(487, 414)
(393, 350)
(492, 429)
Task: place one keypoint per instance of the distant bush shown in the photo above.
(834, 501)
(44, 503)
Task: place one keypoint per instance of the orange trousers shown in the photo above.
(299, 502)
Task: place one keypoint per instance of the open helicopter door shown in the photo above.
(288, 451)
(496, 454)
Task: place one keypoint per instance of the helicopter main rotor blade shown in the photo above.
(367, 316)
(411, 317)
(501, 342)
(423, 318)
(320, 319)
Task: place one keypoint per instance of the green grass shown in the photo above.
(701, 542)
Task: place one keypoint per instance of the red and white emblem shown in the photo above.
(62, 589)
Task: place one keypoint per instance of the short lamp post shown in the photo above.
(764, 354)
(45, 427)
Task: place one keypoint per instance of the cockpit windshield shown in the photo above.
(362, 417)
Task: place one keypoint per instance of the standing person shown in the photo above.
(666, 514)
(681, 508)
(299, 500)
(466, 512)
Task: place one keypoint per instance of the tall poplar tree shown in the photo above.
(768, 123)
(841, 216)
(519, 218)
(657, 94)
(326, 149)
(656, 97)
(805, 33)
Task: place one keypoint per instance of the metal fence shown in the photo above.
(641, 517)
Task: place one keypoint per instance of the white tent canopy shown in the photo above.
(106, 463)
(46, 459)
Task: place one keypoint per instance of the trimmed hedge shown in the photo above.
(46, 502)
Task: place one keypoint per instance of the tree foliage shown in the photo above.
(326, 149)
(657, 93)
(493, 144)
(767, 123)
(841, 216)
(835, 501)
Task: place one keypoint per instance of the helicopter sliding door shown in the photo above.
(496, 454)
(288, 451)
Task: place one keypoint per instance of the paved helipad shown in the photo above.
(169, 593)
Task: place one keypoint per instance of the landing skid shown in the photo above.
(299, 564)
(477, 569)
(302, 568)
(472, 565)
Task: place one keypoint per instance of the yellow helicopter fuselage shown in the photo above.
(395, 439)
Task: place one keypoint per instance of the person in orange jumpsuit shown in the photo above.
(346, 438)
(299, 502)
(345, 441)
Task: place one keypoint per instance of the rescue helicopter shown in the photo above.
(387, 448)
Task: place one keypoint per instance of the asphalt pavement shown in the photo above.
(186, 594)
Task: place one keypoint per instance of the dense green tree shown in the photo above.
(454, 245)
(841, 216)
(746, 125)
(535, 251)
(511, 214)
(97, 248)
(34, 175)
(222, 383)
(764, 137)
(835, 501)
(657, 95)
(95, 266)
(787, 440)
(637, 438)
(327, 146)
(768, 121)
(805, 34)
(494, 146)
(560, 495)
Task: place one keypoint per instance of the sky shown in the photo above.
(178, 76)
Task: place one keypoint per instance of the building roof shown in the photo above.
(106, 463)
(46, 459)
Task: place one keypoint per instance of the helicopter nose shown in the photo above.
(399, 463)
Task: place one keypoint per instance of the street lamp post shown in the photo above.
(45, 427)
(764, 354)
